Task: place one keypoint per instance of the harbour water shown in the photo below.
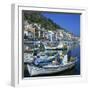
(76, 69)
(73, 71)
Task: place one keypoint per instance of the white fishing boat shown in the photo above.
(50, 47)
(50, 68)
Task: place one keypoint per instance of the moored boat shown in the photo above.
(50, 68)
(60, 46)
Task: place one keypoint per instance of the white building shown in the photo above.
(50, 35)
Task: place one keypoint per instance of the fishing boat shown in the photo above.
(51, 68)
(60, 46)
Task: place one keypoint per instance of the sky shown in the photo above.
(71, 22)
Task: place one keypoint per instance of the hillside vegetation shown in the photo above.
(37, 17)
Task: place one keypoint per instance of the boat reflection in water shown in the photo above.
(51, 62)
